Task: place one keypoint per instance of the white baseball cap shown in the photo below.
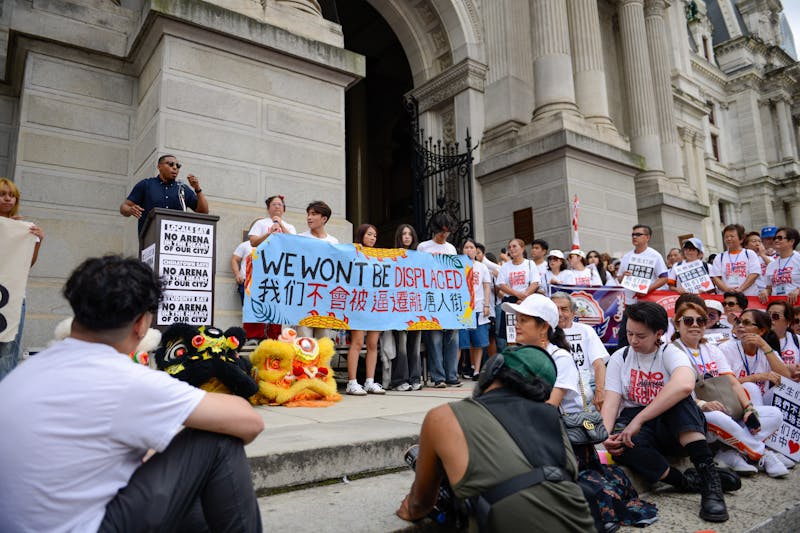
(556, 253)
(578, 252)
(715, 305)
(535, 305)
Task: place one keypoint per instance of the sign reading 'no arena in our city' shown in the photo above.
(309, 282)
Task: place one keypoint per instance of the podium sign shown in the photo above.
(181, 247)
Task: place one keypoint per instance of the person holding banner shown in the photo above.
(649, 413)
(441, 346)
(736, 269)
(477, 338)
(783, 274)
(642, 270)
(164, 191)
(273, 223)
(9, 209)
(402, 348)
(745, 436)
(690, 274)
(366, 235)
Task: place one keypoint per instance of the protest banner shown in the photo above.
(693, 277)
(666, 299)
(599, 307)
(641, 274)
(309, 282)
(190, 307)
(18, 244)
(786, 440)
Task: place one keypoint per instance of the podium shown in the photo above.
(181, 247)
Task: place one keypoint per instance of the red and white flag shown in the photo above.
(576, 241)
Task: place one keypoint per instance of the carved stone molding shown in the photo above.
(468, 74)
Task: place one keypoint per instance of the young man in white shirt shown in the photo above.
(640, 238)
(73, 454)
(441, 346)
(539, 249)
(317, 215)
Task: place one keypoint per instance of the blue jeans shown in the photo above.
(442, 348)
(9, 351)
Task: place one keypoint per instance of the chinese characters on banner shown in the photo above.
(641, 276)
(693, 277)
(309, 282)
(18, 244)
(786, 440)
(185, 263)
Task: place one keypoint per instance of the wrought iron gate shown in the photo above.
(442, 181)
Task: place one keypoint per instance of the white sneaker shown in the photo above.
(772, 465)
(403, 387)
(788, 463)
(416, 386)
(735, 461)
(373, 387)
(355, 389)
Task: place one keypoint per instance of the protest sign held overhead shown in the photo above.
(298, 280)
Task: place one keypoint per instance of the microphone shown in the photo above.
(181, 195)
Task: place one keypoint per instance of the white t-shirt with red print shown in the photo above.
(587, 277)
(783, 275)
(478, 276)
(518, 277)
(743, 364)
(734, 269)
(790, 349)
(707, 359)
(640, 377)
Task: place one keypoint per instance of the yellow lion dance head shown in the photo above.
(294, 372)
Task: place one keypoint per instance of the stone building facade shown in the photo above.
(680, 114)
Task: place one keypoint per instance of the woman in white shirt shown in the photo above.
(273, 223)
(743, 437)
(583, 275)
(649, 413)
(557, 273)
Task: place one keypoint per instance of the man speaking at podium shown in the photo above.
(164, 191)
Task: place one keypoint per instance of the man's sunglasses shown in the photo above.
(729, 304)
(689, 321)
(172, 164)
(638, 234)
(776, 316)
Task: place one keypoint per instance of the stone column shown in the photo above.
(662, 85)
(700, 161)
(785, 130)
(553, 87)
(587, 55)
(794, 213)
(638, 82)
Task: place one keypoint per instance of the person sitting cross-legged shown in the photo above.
(79, 419)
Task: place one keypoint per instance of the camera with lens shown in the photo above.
(448, 510)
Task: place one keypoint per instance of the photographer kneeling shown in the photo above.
(505, 450)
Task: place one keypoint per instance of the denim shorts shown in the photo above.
(474, 338)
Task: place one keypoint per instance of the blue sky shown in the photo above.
(792, 10)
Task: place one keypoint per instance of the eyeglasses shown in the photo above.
(689, 321)
(172, 164)
(776, 316)
(746, 323)
(729, 304)
(796, 321)
(638, 234)
(779, 237)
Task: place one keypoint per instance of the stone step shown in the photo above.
(357, 436)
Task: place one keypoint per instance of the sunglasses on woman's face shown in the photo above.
(746, 323)
(729, 304)
(796, 321)
(689, 321)
(776, 316)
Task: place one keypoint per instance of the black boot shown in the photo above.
(712, 502)
(729, 480)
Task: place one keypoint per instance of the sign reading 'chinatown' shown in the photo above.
(309, 282)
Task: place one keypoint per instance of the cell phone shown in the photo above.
(752, 422)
